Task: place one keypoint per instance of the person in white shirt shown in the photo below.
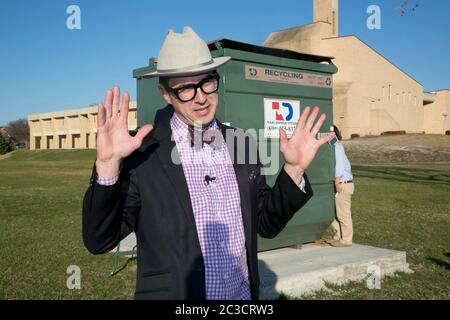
(342, 225)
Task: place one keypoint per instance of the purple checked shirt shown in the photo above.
(217, 211)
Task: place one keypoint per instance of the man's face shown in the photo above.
(198, 111)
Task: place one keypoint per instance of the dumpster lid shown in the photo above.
(232, 44)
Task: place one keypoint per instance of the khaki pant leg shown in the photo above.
(344, 213)
(336, 229)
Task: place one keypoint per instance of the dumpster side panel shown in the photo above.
(244, 104)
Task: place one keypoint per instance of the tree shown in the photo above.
(19, 131)
(5, 146)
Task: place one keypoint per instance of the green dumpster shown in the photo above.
(261, 89)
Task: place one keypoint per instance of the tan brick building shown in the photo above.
(371, 95)
(69, 129)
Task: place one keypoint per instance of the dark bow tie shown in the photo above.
(199, 136)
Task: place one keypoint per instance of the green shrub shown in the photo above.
(5, 146)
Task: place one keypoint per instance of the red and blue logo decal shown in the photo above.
(287, 110)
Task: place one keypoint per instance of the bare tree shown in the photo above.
(19, 131)
(404, 6)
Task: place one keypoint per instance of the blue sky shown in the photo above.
(46, 67)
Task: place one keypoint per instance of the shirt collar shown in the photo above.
(180, 128)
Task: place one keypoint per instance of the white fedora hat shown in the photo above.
(184, 54)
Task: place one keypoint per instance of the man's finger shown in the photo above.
(124, 107)
(301, 121)
(116, 101)
(318, 124)
(327, 138)
(311, 119)
(283, 139)
(303, 117)
(108, 103)
(101, 119)
(142, 132)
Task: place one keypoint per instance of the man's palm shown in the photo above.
(114, 142)
(301, 148)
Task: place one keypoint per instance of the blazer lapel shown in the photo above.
(165, 151)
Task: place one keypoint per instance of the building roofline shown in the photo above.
(440, 90)
(393, 64)
(68, 112)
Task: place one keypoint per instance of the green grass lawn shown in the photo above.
(396, 206)
(402, 207)
(40, 209)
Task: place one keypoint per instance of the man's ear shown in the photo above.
(165, 94)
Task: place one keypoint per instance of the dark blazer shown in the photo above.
(152, 199)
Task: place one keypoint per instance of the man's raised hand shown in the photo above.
(301, 148)
(114, 143)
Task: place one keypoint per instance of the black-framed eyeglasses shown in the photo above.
(188, 92)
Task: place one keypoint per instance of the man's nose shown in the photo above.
(200, 97)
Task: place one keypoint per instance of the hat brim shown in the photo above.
(217, 62)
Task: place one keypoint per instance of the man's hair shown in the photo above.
(164, 81)
(337, 132)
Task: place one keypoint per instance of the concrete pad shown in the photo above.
(295, 272)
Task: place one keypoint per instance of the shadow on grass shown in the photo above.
(441, 263)
(419, 175)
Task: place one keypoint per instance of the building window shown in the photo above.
(62, 142)
(49, 142)
(75, 141)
